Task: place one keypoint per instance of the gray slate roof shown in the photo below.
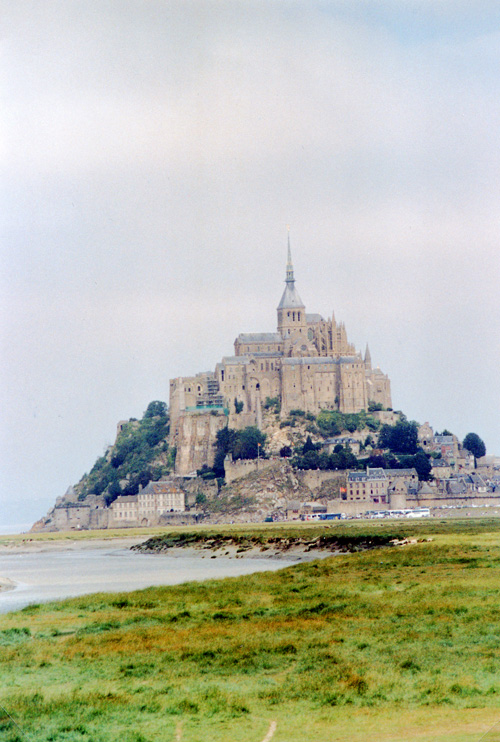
(259, 337)
(320, 360)
(401, 472)
(313, 319)
(290, 298)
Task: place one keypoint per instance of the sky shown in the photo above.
(152, 154)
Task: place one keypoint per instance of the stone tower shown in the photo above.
(291, 309)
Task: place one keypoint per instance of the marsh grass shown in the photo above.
(358, 644)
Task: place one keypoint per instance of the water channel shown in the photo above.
(50, 575)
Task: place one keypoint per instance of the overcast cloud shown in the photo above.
(152, 155)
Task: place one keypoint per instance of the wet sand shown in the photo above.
(32, 546)
(192, 554)
(6, 584)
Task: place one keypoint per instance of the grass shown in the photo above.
(390, 644)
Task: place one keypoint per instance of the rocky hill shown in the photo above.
(256, 474)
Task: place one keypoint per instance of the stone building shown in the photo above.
(378, 486)
(308, 364)
(368, 486)
(149, 505)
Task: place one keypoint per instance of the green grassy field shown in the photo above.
(398, 644)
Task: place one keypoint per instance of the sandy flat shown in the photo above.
(32, 546)
(6, 584)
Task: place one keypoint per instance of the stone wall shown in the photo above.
(241, 467)
(194, 437)
(467, 500)
(317, 481)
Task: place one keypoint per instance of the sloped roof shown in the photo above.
(401, 472)
(160, 487)
(259, 337)
(290, 298)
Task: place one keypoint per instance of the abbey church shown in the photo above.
(308, 364)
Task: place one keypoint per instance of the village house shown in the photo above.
(146, 508)
(369, 486)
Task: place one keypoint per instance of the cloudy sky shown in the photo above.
(152, 154)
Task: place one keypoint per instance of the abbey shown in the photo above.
(308, 364)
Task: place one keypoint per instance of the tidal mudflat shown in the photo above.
(35, 573)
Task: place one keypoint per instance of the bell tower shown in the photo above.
(291, 310)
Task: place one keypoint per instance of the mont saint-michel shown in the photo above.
(294, 423)
(307, 364)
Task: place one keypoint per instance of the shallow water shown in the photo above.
(54, 575)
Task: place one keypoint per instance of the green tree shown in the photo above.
(249, 443)
(156, 408)
(473, 443)
(376, 462)
(351, 423)
(422, 464)
(308, 445)
(399, 438)
(272, 403)
(329, 422)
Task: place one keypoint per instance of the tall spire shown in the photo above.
(290, 298)
(368, 358)
(289, 264)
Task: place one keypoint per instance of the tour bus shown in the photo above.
(404, 513)
(332, 516)
(410, 513)
(418, 513)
